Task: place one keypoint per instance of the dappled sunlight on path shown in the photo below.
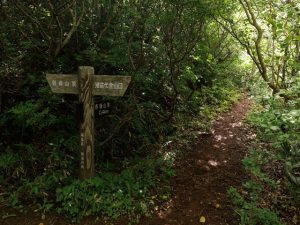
(205, 174)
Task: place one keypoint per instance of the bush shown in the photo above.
(109, 193)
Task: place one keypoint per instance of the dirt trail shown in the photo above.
(205, 174)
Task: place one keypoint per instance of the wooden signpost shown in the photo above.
(86, 85)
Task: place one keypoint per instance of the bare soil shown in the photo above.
(199, 189)
(205, 174)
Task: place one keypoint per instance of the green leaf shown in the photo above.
(274, 128)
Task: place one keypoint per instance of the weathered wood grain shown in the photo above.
(85, 81)
(107, 85)
(63, 83)
(104, 85)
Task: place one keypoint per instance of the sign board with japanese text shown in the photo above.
(104, 85)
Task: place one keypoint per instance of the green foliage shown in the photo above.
(268, 31)
(109, 193)
(182, 66)
(9, 162)
(249, 203)
(253, 164)
(249, 212)
(32, 115)
(279, 123)
(27, 119)
(276, 119)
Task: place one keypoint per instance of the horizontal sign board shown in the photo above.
(105, 85)
(63, 83)
(110, 85)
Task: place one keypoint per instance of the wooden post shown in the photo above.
(0, 101)
(85, 84)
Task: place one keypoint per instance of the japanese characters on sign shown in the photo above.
(106, 85)
(102, 108)
(73, 84)
(62, 83)
(102, 84)
(82, 153)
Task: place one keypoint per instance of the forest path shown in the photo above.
(205, 173)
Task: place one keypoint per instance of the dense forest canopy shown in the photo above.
(165, 45)
(188, 59)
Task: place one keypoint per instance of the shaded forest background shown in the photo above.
(188, 60)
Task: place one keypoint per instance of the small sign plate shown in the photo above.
(102, 108)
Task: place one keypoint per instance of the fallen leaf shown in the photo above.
(202, 219)
(217, 206)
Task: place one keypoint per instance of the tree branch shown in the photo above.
(75, 24)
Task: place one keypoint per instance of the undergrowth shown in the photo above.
(250, 207)
(272, 194)
(110, 194)
(41, 170)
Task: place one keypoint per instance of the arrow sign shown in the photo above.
(104, 85)
(86, 84)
